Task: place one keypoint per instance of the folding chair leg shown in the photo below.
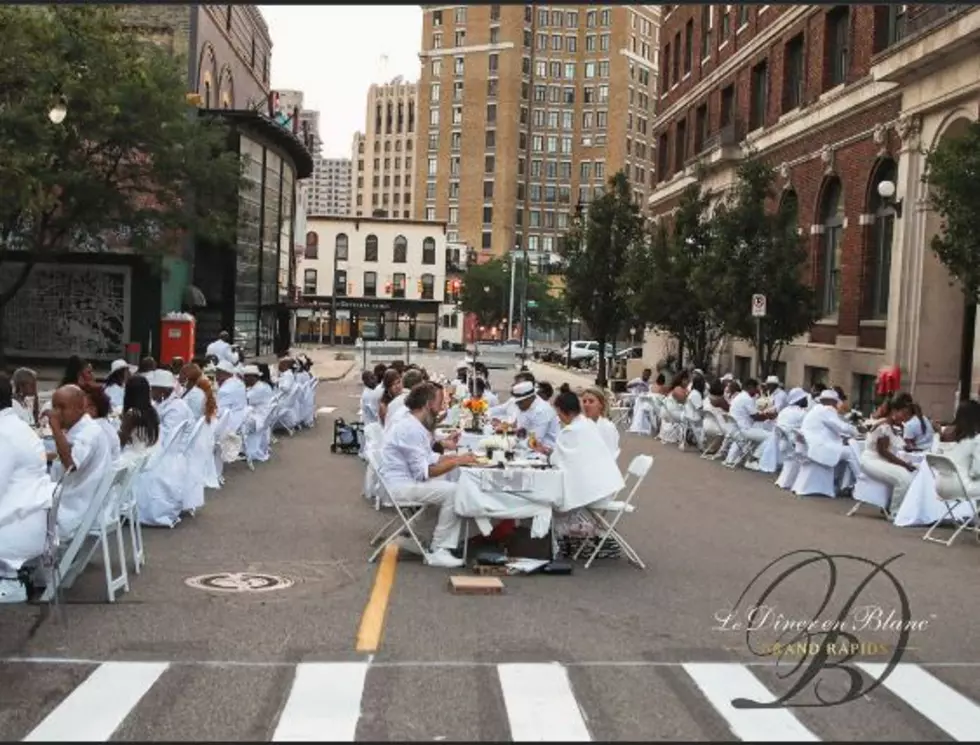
(406, 525)
(855, 508)
(384, 530)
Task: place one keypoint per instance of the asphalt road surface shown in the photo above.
(608, 653)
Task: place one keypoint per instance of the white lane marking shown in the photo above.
(541, 706)
(721, 683)
(951, 711)
(96, 708)
(324, 703)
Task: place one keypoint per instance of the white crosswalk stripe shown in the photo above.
(525, 702)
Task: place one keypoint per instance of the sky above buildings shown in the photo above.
(334, 53)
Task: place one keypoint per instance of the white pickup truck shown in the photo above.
(501, 355)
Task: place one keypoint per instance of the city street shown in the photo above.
(608, 653)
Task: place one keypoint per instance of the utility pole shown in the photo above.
(333, 301)
(524, 283)
(510, 310)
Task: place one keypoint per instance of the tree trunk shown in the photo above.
(601, 376)
(966, 347)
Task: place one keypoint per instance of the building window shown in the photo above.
(726, 24)
(728, 105)
(681, 145)
(487, 214)
(486, 239)
(832, 219)
(494, 12)
(889, 26)
(429, 251)
(700, 127)
(688, 46)
(370, 284)
(340, 246)
(793, 74)
(705, 31)
(743, 15)
(760, 95)
(309, 282)
(371, 248)
(675, 69)
(838, 37)
(863, 394)
(398, 285)
(340, 283)
(312, 245)
(663, 148)
(881, 241)
(491, 113)
(428, 286)
(488, 189)
(400, 255)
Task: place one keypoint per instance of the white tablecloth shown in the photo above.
(509, 493)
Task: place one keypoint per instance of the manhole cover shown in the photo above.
(238, 582)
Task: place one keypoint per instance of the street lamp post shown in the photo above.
(524, 284)
(333, 301)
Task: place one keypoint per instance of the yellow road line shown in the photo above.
(373, 618)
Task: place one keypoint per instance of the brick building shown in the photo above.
(525, 111)
(806, 88)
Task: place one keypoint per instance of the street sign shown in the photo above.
(758, 306)
(532, 303)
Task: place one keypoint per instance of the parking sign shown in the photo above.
(758, 306)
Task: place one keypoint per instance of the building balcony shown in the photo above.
(723, 146)
(937, 37)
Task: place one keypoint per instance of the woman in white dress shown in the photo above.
(193, 395)
(961, 444)
(880, 458)
(594, 406)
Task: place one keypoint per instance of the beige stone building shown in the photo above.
(525, 111)
(383, 155)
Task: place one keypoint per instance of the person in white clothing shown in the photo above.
(232, 396)
(25, 399)
(880, 458)
(961, 444)
(115, 382)
(25, 496)
(81, 444)
(173, 411)
(193, 395)
(774, 388)
(221, 350)
(98, 406)
(369, 402)
(594, 406)
(536, 417)
(259, 395)
(788, 420)
(827, 434)
(482, 391)
(411, 469)
(640, 384)
(509, 409)
(396, 407)
(749, 419)
(919, 433)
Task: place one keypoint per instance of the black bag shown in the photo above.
(346, 437)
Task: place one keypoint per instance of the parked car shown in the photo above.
(582, 351)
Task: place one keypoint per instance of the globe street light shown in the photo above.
(58, 112)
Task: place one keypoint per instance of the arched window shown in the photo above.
(401, 250)
(877, 287)
(312, 245)
(428, 287)
(340, 246)
(429, 251)
(832, 220)
(371, 248)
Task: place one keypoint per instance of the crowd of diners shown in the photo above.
(823, 415)
(570, 428)
(92, 426)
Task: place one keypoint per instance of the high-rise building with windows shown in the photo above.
(383, 155)
(526, 111)
(328, 189)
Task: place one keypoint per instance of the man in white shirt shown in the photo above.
(232, 396)
(536, 416)
(25, 496)
(172, 410)
(827, 434)
(221, 349)
(749, 420)
(774, 388)
(509, 409)
(79, 443)
(411, 470)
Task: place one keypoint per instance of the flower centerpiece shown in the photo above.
(477, 409)
(498, 442)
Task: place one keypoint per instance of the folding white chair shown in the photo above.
(671, 420)
(373, 433)
(50, 565)
(188, 448)
(712, 421)
(639, 467)
(736, 439)
(310, 419)
(869, 492)
(792, 458)
(941, 466)
(287, 419)
(406, 515)
(129, 509)
(692, 424)
(813, 479)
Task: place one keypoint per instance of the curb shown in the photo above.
(335, 378)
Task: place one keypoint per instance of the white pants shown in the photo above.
(22, 541)
(852, 465)
(900, 479)
(755, 436)
(442, 493)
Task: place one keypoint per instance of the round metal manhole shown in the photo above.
(238, 582)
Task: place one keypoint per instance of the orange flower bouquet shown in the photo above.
(477, 408)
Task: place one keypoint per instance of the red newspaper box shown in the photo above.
(177, 337)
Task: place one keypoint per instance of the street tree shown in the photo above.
(597, 253)
(761, 252)
(485, 293)
(952, 170)
(99, 149)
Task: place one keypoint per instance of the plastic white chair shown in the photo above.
(129, 509)
(406, 515)
(792, 458)
(743, 448)
(813, 479)
(639, 467)
(870, 492)
(942, 466)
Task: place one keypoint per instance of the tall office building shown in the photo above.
(328, 189)
(383, 156)
(526, 111)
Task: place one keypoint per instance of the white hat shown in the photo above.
(523, 390)
(226, 367)
(118, 365)
(698, 371)
(251, 370)
(726, 377)
(772, 380)
(829, 394)
(796, 395)
(162, 379)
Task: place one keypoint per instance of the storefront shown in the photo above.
(369, 319)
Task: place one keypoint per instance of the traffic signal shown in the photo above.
(274, 107)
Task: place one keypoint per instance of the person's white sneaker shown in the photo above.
(409, 546)
(12, 591)
(443, 559)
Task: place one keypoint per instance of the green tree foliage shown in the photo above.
(760, 252)
(597, 255)
(952, 173)
(132, 166)
(486, 294)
